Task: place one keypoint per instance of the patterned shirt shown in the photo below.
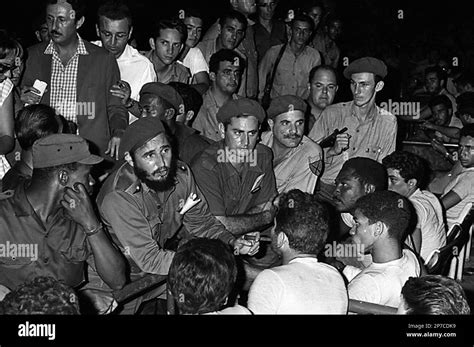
(64, 81)
(6, 88)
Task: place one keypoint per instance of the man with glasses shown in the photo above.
(268, 31)
(298, 59)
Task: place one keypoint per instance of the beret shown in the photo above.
(285, 103)
(465, 103)
(366, 64)
(240, 107)
(165, 92)
(139, 132)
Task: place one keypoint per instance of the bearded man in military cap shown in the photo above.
(371, 130)
(297, 160)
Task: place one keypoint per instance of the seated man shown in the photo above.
(405, 175)
(444, 127)
(202, 276)
(460, 189)
(225, 72)
(358, 177)
(163, 101)
(301, 285)
(33, 122)
(297, 160)
(433, 295)
(54, 218)
(151, 202)
(382, 219)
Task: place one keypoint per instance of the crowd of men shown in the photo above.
(220, 160)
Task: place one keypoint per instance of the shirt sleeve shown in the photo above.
(391, 140)
(464, 186)
(266, 293)
(134, 232)
(116, 111)
(208, 182)
(364, 288)
(196, 62)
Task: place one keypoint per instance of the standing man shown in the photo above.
(269, 31)
(79, 77)
(372, 131)
(167, 42)
(322, 91)
(246, 48)
(114, 28)
(298, 59)
(297, 160)
(226, 70)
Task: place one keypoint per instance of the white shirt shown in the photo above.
(463, 185)
(303, 286)
(381, 283)
(135, 69)
(195, 61)
(430, 221)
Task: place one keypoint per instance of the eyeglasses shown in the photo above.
(268, 4)
(6, 68)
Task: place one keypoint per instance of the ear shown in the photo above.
(379, 86)
(281, 239)
(80, 22)
(412, 182)
(222, 130)
(128, 158)
(130, 34)
(63, 177)
(97, 31)
(270, 123)
(212, 76)
(337, 87)
(369, 188)
(169, 114)
(189, 116)
(38, 36)
(152, 43)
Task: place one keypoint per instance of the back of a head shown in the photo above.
(42, 295)
(34, 122)
(304, 220)
(367, 171)
(191, 98)
(114, 10)
(408, 164)
(434, 295)
(390, 208)
(202, 275)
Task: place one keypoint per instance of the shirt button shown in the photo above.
(357, 130)
(46, 260)
(353, 148)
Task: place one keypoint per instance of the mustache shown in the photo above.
(292, 136)
(161, 170)
(55, 32)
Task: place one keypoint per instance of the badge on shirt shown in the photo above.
(316, 166)
(256, 186)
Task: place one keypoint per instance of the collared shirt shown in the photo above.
(190, 142)
(141, 220)
(136, 69)
(228, 192)
(293, 170)
(292, 74)
(264, 39)
(64, 81)
(206, 120)
(463, 185)
(375, 138)
(195, 61)
(16, 175)
(176, 71)
(246, 48)
(58, 248)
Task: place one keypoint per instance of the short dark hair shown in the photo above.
(202, 275)
(224, 55)
(440, 100)
(78, 6)
(367, 171)
(191, 98)
(34, 122)
(176, 24)
(434, 295)
(42, 295)
(390, 208)
(233, 14)
(115, 10)
(408, 164)
(440, 73)
(321, 67)
(467, 130)
(304, 220)
(300, 17)
(192, 12)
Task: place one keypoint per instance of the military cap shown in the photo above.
(366, 64)
(139, 132)
(240, 107)
(165, 92)
(284, 104)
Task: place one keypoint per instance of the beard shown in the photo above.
(157, 186)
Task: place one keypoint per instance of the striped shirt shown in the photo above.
(64, 81)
